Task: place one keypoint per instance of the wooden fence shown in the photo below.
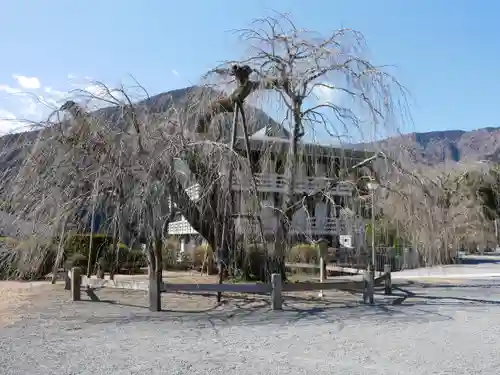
(76, 283)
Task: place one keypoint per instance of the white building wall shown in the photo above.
(268, 182)
(320, 214)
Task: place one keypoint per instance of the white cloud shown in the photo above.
(6, 115)
(51, 91)
(29, 83)
(175, 72)
(96, 90)
(32, 102)
(8, 122)
(10, 90)
(85, 86)
(326, 95)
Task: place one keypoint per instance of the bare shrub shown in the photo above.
(25, 260)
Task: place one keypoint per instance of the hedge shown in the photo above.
(303, 253)
(76, 252)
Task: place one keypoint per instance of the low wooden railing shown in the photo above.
(76, 282)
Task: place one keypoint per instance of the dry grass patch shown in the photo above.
(16, 297)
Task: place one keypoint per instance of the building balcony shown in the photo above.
(181, 227)
(194, 192)
(309, 226)
(277, 183)
(313, 226)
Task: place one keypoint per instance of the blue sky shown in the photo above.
(447, 53)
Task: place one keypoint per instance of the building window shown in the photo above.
(280, 164)
(311, 207)
(236, 207)
(336, 167)
(255, 160)
(310, 167)
(277, 199)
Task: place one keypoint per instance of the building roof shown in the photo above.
(272, 131)
(260, 142)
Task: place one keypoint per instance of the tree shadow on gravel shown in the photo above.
(208, 300)
(407, 305)
(256, 310)
(449, 285)
(409, 297)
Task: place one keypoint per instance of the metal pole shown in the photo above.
(496, 233)
(373, 227)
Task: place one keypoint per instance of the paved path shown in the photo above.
(489, 269)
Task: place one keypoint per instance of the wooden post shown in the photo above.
(321, 274)
(323, 255)
(387, 281)
(76, 281)
(368, 286)
(276, 292)
(406, 258)
(67, 279)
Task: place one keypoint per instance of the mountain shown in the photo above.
(448, 145)
(15, 147)
(426, 148)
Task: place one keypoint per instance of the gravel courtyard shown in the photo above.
(438, 329)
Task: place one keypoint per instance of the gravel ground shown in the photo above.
(438, 329)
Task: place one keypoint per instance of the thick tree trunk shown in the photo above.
(116, 251)
(155, 275)
(154, 291)
(59, 256)
(277, 264)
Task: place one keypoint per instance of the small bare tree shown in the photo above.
(89, 161)
(439, 208)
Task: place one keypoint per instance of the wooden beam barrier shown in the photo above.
(385, 278)
(379, 280)
(117, 284)
(339, 285)
(275, 289)
(224, 288)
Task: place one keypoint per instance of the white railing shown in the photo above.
(313, 225)
(277, 183)
(181, 227)
(194, 191)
